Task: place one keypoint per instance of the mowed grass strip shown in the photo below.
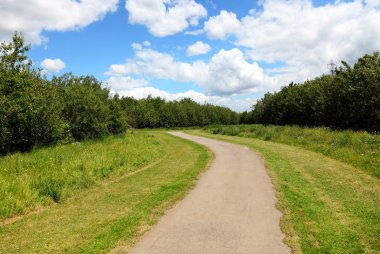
(328, 206)
(49, 175)
(357, 148)
(114, 213)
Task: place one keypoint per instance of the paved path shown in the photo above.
(231, 210)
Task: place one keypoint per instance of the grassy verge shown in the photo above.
(48, 175)
(113, 213)
(328, 206)
(359, 149)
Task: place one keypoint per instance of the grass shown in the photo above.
(113, 213)
(50, 175)
(359, 149)
(328, 206)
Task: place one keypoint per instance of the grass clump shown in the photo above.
(357, 148)
(328, 206)
(47, 175)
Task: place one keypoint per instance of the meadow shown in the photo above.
(115, 212)
(49, 175)
(101, 196)
(328, 206)
(357, 148)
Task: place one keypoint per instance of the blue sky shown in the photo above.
(224, 52)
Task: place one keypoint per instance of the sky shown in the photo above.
(223, 52)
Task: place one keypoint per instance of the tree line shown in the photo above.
(158, 113)
(347, 99)
(36, 111)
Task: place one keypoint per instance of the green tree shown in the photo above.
(30, 107)
(86, 106)
(350, 98)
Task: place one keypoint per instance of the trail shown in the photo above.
(231, 210)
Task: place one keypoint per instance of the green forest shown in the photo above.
(36, 111)
(347, 99)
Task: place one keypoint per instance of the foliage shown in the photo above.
(359, 149)
(158, 113)
(29, 106)
(348, 99)
(86, 106)
(37, 112)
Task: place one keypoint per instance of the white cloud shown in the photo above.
(305, 38)
(146, 43)
(165, 17)
(219, 27)
(373, 3)
(125, 83)
(235, 103)
(144, 92)
(226, 73)
(195, 32)
(229, 73)
(33, 16)
(53, 65)
(198, 48)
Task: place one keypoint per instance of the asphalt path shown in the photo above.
(231, 209)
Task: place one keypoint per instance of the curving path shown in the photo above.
(231, 210)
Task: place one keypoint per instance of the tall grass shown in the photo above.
(48, 175)
(111, 216)
(357, 148)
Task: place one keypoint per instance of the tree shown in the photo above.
(85, 106)
(30, 108)
(348, 99)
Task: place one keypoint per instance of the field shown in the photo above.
(112, 211)
(359, 149)
(101, 196)
(328, 206)
(49, 175)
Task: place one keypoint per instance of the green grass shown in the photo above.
(359, 149)
(113, 213)
(328, 206)
(44, 176)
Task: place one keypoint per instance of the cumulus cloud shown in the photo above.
(53, 65)
(235, 103)
(33, 16)
(165, 17)
(195, 32)
(228, 72)
(218, 27)
(118, 83)
(305, 38)
(144, 92)
(198, 48)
